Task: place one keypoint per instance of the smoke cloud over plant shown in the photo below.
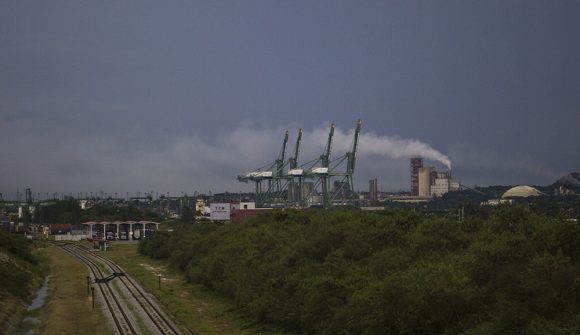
(396, 147)
(371, 144)
(186, 163)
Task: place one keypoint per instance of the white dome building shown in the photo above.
(521, 192)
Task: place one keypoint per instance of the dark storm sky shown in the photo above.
(177, 96)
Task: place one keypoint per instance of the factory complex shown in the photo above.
(327, 181)
(323, 182)
(427, 182)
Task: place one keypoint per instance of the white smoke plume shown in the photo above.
(396, 148)
(370, 143)
(183, 162)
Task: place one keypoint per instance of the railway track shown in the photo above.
(139, 302)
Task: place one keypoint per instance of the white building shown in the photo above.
(496, 202)
(199, 205)
(220, 211)
(247, 205)
(439, 187)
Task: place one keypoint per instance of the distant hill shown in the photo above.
(571, 179)
(569, 184)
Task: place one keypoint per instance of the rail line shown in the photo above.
(158, 319)
(121, 319)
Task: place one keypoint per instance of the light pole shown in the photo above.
(93, 291)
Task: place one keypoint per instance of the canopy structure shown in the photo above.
(120, 230)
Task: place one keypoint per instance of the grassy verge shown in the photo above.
(69, 309)
(21, 281)
(11, 311)
(194, 307)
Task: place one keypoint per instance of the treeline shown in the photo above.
(388, 272)
(115, 212)
(69, 211)
(58, 211)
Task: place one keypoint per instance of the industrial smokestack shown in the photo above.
(416, 164)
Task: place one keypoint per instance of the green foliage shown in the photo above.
(114, 212)
(156, 246)
(388, 272)
(61, 211)
(16, 245)
(18, 267)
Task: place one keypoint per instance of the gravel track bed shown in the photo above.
(142, 309)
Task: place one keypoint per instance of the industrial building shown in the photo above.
(442, 183)
(428, 182)
(513, 194)
(220, 211)
(373, 190)
(522, 191)
(120, 230)
(425, 178)
(416, 164)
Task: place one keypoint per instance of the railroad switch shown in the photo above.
(110, 277)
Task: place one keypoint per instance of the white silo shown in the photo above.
(425, 181)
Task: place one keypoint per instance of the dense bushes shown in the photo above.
(388, 272)
(18, 268)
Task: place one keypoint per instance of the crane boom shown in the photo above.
(284, 146)
(294, 159)
(325, 158)
(352, 155)
(281, 157)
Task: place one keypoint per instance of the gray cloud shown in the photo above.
(80, 162)
(187, 163)
(152, 96)
(485, 166)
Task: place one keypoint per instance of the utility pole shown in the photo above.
(93, 290)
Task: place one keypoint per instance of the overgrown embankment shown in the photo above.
(389, 272)
(20, 276)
